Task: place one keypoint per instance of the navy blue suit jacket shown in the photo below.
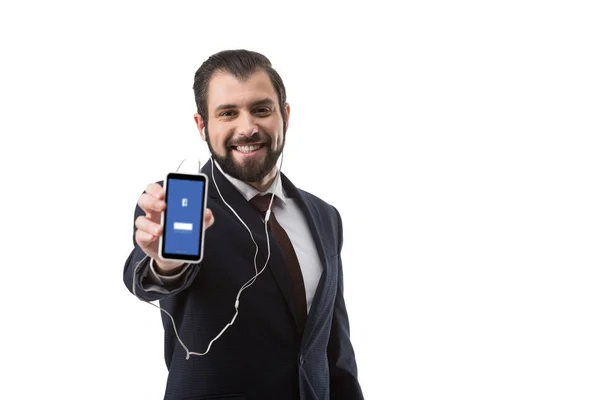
(263, 355)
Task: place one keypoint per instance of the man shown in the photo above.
(291, 337)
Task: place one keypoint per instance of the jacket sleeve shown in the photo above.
(142, 281)
(342, 363)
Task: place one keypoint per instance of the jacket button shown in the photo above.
(301, 359)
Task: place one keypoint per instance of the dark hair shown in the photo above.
(241, 64)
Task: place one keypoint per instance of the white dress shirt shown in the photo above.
(291, 218)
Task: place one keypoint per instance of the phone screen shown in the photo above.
(184, 216)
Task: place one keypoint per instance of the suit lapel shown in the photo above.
(312, 217)
(252, 219)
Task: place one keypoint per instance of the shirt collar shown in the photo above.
(249, 192)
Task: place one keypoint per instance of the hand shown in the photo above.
(149, 229)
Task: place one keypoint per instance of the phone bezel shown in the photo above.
(183, 257)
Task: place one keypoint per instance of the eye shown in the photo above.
(226, 114)
(263, 110)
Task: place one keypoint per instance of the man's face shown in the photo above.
(245, 130)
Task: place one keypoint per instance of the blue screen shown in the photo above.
(183, 219)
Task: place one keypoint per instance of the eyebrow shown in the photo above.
(262, 102)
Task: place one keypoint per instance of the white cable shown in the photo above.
(246, 285)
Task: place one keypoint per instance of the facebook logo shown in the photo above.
(184, 202)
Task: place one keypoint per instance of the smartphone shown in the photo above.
(182, 221)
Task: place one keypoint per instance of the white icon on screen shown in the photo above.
(184, 202)
(183, 226)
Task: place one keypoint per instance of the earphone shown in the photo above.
(246, 285)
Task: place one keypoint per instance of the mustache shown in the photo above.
(243, 140)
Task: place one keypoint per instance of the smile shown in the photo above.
(248, 149)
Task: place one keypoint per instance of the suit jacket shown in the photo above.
(263, 355)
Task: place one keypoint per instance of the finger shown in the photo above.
(144, 239)
(209, 218)
(146, 225)
(151, 204)
(156, 191)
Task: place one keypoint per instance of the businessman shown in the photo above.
(291, 337)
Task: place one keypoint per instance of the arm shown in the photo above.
(342, 363)
(149, 284)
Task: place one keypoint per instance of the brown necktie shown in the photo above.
(261, 204)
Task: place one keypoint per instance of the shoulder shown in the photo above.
(324, 209)
(311, 200)
(315, 200)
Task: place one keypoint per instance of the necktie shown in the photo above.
(261, 204)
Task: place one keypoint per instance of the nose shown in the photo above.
(247, 125)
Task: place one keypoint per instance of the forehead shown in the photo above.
(225, 88)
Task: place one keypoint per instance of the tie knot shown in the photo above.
(261, 202)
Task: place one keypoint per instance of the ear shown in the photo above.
(286, 116)
(200, 125)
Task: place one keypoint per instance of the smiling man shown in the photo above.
(247, 126)
(291, 337)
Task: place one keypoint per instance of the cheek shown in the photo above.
(276, 131)
(218, 138)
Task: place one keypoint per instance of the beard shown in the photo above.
(251, 170)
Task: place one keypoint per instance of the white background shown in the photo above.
(459, 140)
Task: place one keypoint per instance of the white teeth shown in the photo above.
(248, 149)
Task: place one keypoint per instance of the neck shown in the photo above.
(266, 182)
